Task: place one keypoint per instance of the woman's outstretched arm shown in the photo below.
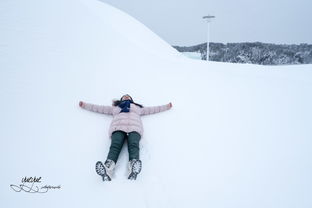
(155, 109)
(97, 108)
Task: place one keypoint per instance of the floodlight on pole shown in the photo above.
(208, 18)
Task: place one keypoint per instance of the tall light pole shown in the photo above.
(208, 18)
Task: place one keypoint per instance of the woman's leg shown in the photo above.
(118, 138)
(133, 145)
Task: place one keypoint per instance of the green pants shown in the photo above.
(118, 139)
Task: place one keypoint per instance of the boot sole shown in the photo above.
(135, 170)
(100, 170)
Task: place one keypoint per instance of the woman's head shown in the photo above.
(126, 97)
(123, 98)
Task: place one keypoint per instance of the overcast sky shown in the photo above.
(179, 22)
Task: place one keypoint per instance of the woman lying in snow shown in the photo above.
(126, 124)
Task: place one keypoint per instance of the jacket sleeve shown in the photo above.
(98, 108)
(154, 109)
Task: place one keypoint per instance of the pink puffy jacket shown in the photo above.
(127, 122)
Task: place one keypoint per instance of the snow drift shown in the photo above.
(237, 135)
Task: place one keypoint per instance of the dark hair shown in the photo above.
(117, 102)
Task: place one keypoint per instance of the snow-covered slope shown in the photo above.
(237, 135)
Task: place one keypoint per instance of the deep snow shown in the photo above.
(237, 135)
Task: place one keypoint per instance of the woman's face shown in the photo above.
(126, 97)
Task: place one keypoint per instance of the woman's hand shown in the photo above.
(80, 103)
(170, 105)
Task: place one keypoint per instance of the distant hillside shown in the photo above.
(254, 53)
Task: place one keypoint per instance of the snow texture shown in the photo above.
(238, 135)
